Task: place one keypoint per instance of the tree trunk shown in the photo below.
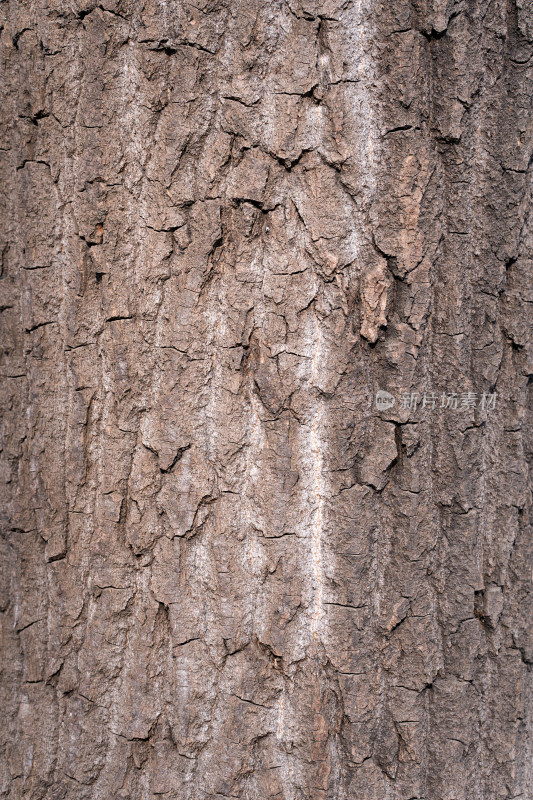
(231, 568)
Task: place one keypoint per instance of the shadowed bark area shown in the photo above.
(226, 572)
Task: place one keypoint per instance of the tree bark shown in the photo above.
(229, 567)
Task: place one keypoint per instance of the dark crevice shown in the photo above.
(40, 325)
(399, 443)
(400, 128)
(16, 37)
(288, 163)
(175, 460)
(436, 35)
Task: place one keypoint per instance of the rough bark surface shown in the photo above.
(225, 571)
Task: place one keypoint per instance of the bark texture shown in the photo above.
(226, 572)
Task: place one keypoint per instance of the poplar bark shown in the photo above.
(226, 572)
